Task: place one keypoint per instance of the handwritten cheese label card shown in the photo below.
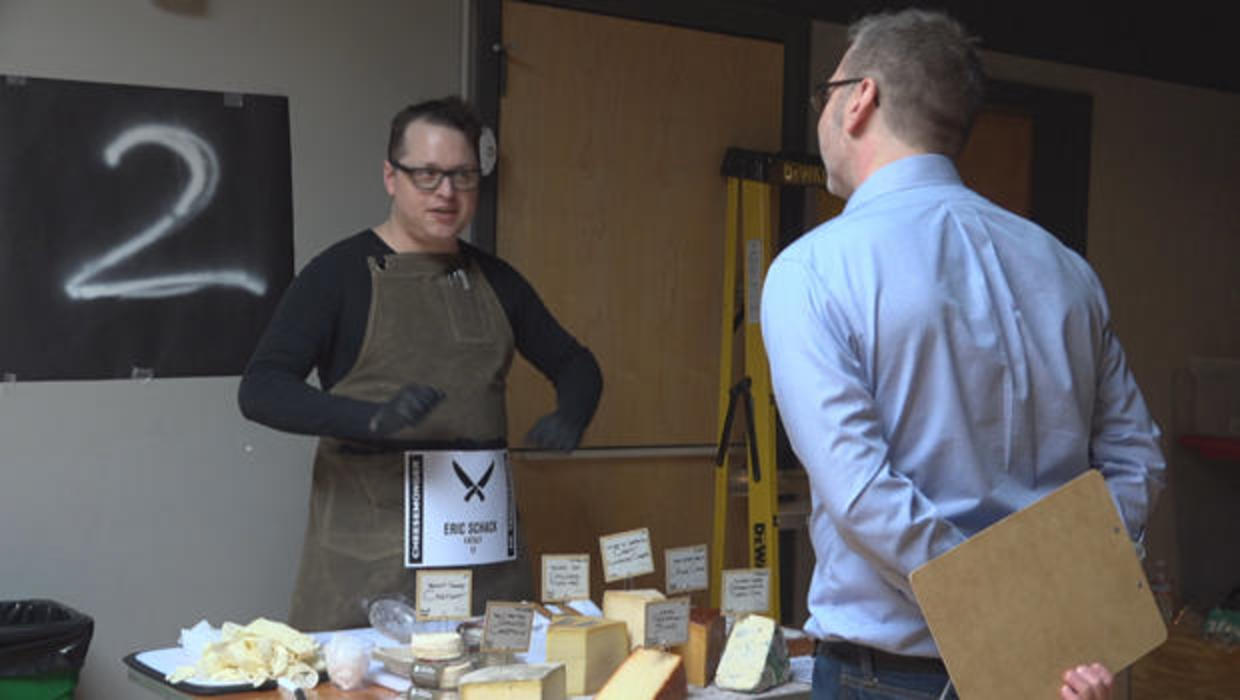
(667, 622)
(508, 627)
(626, 554)
(686, 569)
(565, 577)
(444, 594)
(746, 591)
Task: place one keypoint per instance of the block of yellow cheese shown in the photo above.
(630, 608)
(755, 658)
(515, 682)
(648, 674)
(590, 648)
(707, 635)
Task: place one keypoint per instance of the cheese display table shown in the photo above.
(593, 651)
(325, 691)
(794, 690)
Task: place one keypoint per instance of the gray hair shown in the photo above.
(929, 76)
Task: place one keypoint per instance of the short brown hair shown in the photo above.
(452, 112)
(928, 73)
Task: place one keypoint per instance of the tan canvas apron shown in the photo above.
(432, 322)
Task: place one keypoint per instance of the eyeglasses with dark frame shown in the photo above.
(428, 179)
(822, 92)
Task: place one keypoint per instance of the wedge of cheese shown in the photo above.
(630, 608)
(707, 636)
(755, 658)
(591, 648)
(515, 682)
(648, 674)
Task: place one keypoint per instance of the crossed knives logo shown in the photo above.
(470, 487)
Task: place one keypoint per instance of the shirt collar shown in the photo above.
(905, 173)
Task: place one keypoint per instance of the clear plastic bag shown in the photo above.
(394, 617)
(348, 659)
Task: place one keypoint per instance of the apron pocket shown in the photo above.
(466, 314)
(359, 503)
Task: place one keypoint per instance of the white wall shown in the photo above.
(152, 505)
(1163, 234)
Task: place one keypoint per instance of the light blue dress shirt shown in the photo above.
(939, 363)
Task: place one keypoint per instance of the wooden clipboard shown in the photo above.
(1051, 586)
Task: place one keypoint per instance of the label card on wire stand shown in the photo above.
(565, 577)
(508, 627)
(444, 594)
(746, 591)
(667, 622)
(626, 554)
(687, 569)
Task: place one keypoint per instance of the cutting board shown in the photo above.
(1049, 587)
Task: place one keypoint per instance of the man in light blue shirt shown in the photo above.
(938, 362)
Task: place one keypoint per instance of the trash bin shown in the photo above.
(42, 647)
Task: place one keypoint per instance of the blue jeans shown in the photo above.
(839, 680)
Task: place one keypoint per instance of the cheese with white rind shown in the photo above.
(755, 658)
(630, 608)
(436, 646)
(591, 648)
(515, 682)
(648, 674)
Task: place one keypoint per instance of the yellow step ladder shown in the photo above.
(753, 180)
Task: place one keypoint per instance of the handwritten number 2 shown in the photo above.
(88, 281)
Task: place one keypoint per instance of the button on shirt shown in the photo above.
(939, 363)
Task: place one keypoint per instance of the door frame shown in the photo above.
(1062, 133)
(705, 15)
(1062, 119)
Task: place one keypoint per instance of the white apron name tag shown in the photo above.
(459, 508)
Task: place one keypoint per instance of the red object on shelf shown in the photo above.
(1212, 447)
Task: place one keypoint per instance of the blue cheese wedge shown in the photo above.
(755, 658)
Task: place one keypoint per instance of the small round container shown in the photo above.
(416, 693)
(440, 674)
(484, 659)
(471, 635)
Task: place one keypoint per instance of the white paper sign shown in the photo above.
(565, 577)
(444, 594)
(508, 627)
(626, 554)
(667, 622)
(686, 569)
(746, 591)
(459, 508)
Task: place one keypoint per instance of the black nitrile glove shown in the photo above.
(554, 432)
(407, 408)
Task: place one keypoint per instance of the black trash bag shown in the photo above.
(39, 637)
(1232, 601)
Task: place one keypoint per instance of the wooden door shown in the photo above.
(612, 132)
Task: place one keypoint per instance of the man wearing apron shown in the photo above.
(411, 333)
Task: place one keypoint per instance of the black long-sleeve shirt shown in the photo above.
(320, 324)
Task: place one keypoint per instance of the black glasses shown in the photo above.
(428, 179)
(822, 91)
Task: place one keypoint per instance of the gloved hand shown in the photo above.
(407, 408)
(554, 432)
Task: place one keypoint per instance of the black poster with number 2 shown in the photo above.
(143, 231)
